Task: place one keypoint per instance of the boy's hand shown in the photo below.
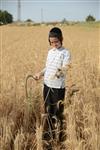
(37, 76)
(62, 71)
(59, 73)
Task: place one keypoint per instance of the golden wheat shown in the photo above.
(23, 52)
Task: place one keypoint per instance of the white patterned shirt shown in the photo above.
(56, 59)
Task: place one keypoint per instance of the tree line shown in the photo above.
(6, 17)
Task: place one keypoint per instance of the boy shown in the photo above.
(54, 73)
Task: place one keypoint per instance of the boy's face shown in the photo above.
(54, 42)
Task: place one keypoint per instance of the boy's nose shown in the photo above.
(54, 44)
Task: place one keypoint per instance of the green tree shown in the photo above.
(5, 17)
(29, 20)
(90, 18)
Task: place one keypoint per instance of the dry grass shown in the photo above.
(23, 52)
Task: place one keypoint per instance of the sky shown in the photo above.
(52, 10)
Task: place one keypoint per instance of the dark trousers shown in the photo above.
(54, 107)
(53, 97)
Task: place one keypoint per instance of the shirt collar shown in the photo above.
(58, 49)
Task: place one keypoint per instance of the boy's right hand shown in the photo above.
(36, 76)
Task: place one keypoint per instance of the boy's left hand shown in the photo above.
(59, 73)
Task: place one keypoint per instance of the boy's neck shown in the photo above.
(60, 48)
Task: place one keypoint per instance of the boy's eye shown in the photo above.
(54, 41)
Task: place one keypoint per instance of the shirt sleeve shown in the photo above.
(43, 72)
(44, 69)
(66, 58)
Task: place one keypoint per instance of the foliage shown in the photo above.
(29, 20)
(5, 17)
(90, 18)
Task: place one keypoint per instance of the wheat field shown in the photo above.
(23, 52)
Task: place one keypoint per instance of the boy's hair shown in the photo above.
(56, 32)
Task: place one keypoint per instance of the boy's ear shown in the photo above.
(49, 41)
